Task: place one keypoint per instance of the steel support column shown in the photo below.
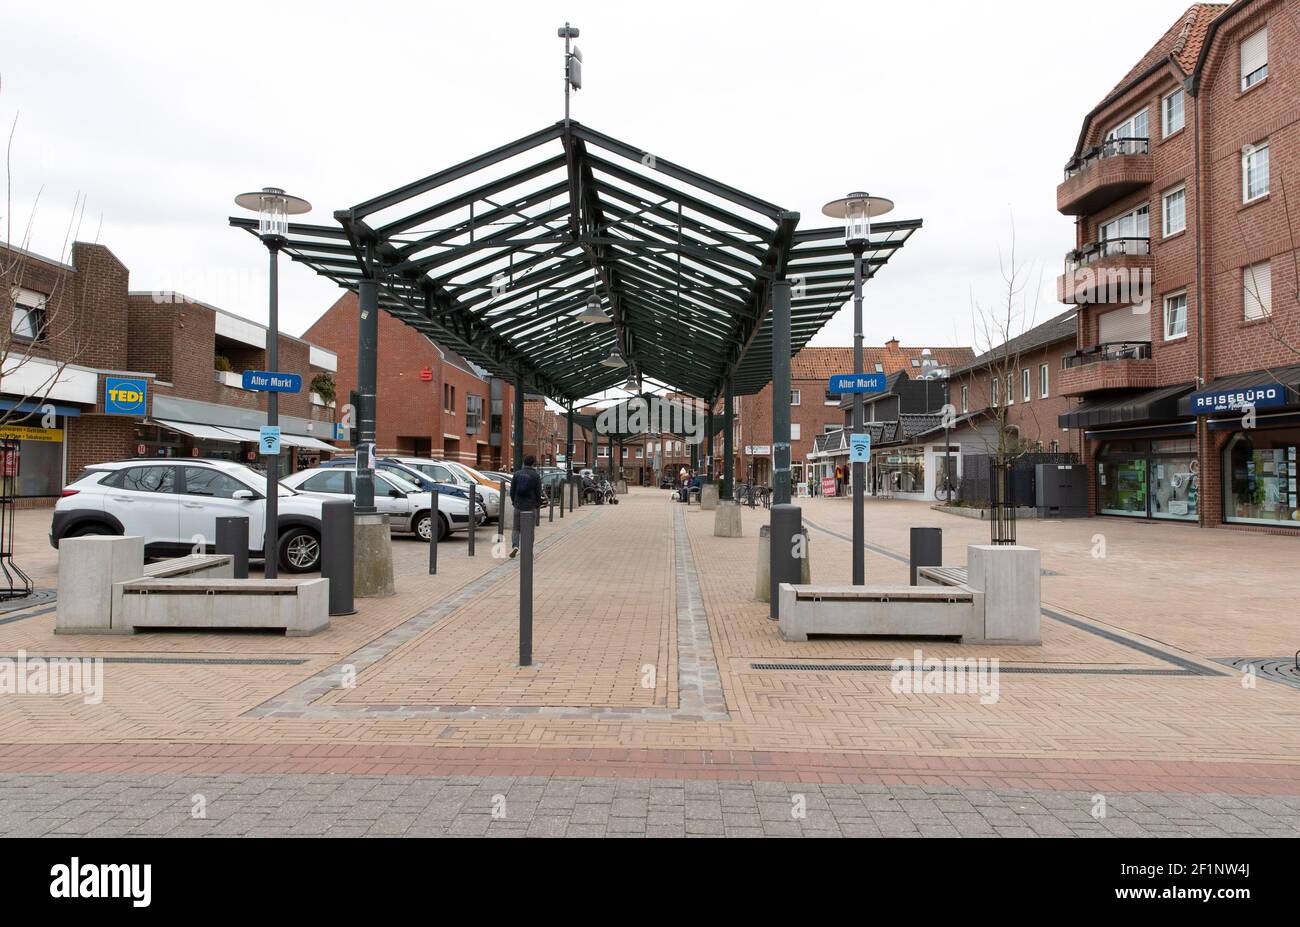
(517, 425)
(728, 452)
(367, 372)
(858, 470)
(781, 392)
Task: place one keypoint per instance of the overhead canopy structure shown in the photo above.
(497, 256)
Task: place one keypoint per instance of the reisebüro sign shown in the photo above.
(1263, 396)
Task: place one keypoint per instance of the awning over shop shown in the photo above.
(203, 432)
(237, 435)
(1157, 405)
(1281, 383)
(33, 405)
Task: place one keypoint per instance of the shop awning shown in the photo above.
(32, 405)
(1287, 378)
(203, 432)
(1157, 405)
(311, 444)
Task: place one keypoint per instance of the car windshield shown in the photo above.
(256, 480)
(403, 484)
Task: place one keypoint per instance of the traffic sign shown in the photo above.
(268, 381)
(859, 448)
(268, 440)
(857, 383)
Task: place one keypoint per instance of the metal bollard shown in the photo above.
(550, 497)
(336, 553)
(501, 510)
(926, 549)
(525, 592)
(783, 566)
(232, 538)
(473, 514)
(435, 507)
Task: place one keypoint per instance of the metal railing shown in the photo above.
(1108, 351)
(1106, 248)
(1110, 148)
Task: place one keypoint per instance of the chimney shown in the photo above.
(892, 345)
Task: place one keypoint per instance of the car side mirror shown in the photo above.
(245, 495)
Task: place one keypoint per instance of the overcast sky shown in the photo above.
(963, 113)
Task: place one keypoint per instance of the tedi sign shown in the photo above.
(103, 880)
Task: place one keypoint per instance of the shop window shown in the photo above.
(1149, 479)
(1259, 484)
(1175, 480)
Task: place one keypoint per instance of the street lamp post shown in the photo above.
(273, 207)
(857, 210)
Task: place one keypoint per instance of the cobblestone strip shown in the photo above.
(235, 805)
(699, 679)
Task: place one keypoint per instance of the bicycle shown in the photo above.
(947, 491)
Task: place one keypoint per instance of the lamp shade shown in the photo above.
(273, 207)
(857, 210)
(614, 360)
(595, 313)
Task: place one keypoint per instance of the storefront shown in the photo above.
(188, 428)
(33, 448)
(1156, 478)
(1254, 419)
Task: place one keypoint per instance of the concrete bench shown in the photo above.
(299, 607)
(195, 566)
(996, 598)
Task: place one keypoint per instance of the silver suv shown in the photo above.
(174, 505)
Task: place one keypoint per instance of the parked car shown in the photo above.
(461, 475)
(174, 506)
(424, 472)
(409, 509)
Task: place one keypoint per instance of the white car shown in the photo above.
(174, 506)
(445, 471)
(409, 509)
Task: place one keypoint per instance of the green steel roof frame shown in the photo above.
(494, 257)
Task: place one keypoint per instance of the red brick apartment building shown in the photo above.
(95, 372)
(430, 401)
(1185, 182)
(813, 410)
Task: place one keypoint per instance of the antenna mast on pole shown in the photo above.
(572, 65)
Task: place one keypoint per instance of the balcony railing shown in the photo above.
(1107, 248)
(1112, 147)
(1108, 351)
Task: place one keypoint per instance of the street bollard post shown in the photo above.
(473, 515)
(435, 508)
(525, 591)
(783, 565)
(336, 554)
(926, 549)
(232, 538)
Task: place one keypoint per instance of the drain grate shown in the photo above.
(1278, 669)
(1048, 670)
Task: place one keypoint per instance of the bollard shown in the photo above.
(550, 497)
(501, 511)
(336, 553)
(473, 515)
(560, 490)
(525, 592)
(435, 508)
(786, 525)
(232, 538)
(926, 549)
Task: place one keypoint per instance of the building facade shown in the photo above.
(1184, 275)
(430, 401)
(95, 372)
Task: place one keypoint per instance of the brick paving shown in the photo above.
(228, 805)
(652, 661)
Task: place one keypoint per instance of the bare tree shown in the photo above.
(998, 328)
(39, 336)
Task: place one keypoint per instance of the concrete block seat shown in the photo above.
(995, 598)
(299, 607)
(195, 566)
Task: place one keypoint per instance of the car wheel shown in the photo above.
(299, 550)
(424, 526)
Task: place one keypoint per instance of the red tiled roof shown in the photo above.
(1183, 41)
(823, 363)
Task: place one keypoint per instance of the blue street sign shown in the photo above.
(268, 440)
(340, 432)
(858, 383)
(268, 381)
(126, 396)
(1263, 396)
(859, 448)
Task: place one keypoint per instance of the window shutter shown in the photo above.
(1254, 52)
(1258, 285)
(1120, 325)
